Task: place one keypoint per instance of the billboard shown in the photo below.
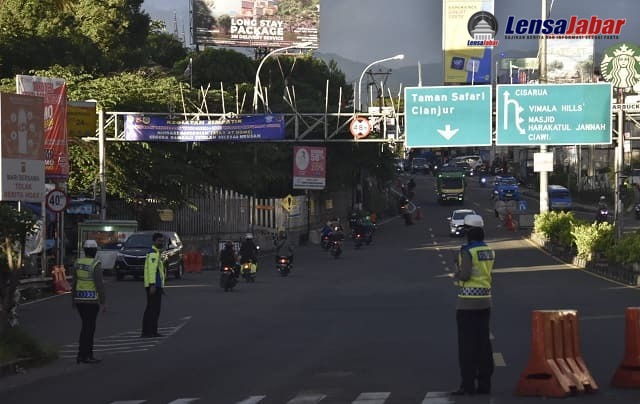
(569, 60)
(142, 128)
(467, 60)
(81, 119)
(309, 167)
(21, 148)
(54, 92)
(256, 23)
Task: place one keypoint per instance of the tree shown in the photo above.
(16, 225)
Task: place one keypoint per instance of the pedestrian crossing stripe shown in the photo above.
(379, 397)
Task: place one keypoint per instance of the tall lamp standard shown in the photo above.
(396, 57)
(257, 81)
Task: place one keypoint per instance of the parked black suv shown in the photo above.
(130, 259)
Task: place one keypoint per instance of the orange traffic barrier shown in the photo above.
(556, 367)
(60, 284)
(418, 213)
(186, 262)
(196, 261)
(508, 222)
(628, 373)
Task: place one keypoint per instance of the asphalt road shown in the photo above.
(375, 326)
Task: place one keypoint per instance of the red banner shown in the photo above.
(309, 167)
(54, 92)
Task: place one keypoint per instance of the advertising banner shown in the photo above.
(309, 167)
(142, 128)
(256, 23)
(467, 41)
(22, 148)
(569, 60)
(54, 92)
(81, 119)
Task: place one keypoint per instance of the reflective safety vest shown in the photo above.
(479, 285)
(86, 291)
(152, 265)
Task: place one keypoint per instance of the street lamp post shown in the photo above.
(257, 81)
(396, 57)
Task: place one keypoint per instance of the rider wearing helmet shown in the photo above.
(248, 250)
(228, 256)
(284, 247)
(602, 203)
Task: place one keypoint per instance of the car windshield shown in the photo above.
(451, 182)
(418, 161)
(508, 181)
(139, 241)
(560, 194)
(460, 215)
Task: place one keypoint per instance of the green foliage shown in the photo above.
(16, 225)
(17, 343)
(592, 237)
(627, 250)
(556, 226)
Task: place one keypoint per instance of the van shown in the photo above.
(559, 198)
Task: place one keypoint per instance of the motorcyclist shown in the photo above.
(603, 212)
(404, 211)
(228, 256)
(284, 247)
(248, 250)
(602, 203)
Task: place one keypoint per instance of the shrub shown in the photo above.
(592, 237)
(17, 343)
(627, 250)
(556, 226)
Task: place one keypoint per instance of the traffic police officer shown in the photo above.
(154, 276)
(475, 356)
(87, 291)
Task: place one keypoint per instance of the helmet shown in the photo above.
(248, 236)
(602, 197)
(473, 221)
(228, 243)
(90, 244)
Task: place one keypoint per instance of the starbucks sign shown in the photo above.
(621, 65)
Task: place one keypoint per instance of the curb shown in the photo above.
(14, 367)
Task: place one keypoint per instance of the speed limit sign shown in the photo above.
(360, 127)
(57, 200)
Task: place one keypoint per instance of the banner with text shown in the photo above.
(22, 148)
(81, 119)
(54, 92)
(309, 167)
(142, 128)
(462, 63)
(553, 114)
(257, 23)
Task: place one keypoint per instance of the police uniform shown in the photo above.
(88, 294)
(475, 355)
(154, 275)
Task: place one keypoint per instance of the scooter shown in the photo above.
(637, 211)
(283, 264)
(336, 248)
(602, 216)
(483, 181)
(228, 278)
(249, 270)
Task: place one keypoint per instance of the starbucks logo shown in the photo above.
(621, 65)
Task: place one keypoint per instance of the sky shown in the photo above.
(369, 30)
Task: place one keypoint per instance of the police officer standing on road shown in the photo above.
(87, 291)
(475, 355)
(154, 276)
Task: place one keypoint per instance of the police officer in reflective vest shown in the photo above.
(88, 294)
(154, 276)
(475, 356)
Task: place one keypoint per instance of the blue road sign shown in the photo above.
(553, 114)
(448, 116)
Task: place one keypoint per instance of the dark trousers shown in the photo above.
(475, 355)
(152, 312)
(88, 315)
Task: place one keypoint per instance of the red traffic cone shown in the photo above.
(418, 213)
(508, 222)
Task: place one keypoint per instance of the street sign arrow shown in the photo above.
(448, 133)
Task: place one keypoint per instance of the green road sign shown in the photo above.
(553, 114)
(450, 116)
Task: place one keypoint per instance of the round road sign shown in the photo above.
(360, 127)
(57, 200)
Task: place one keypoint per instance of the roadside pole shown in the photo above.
(619, 208)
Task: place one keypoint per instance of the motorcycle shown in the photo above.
(637, 211)
(283, 264)
(249, 270)
(483, 181)
(602, 216)
(325, 243)
(228, 278)
(336, 249)
(358, 239)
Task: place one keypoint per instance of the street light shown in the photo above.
(257, 81)
(396, 57)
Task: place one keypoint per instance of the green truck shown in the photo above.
(450, 186)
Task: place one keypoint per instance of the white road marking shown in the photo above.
(444, 262)
(251, 400)
(491, 336)
(129, 402)
(498, 359)
(438, 397)
(307, 398)
(184, 400)
(372, 398)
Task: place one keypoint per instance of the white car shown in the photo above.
(456, 221)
